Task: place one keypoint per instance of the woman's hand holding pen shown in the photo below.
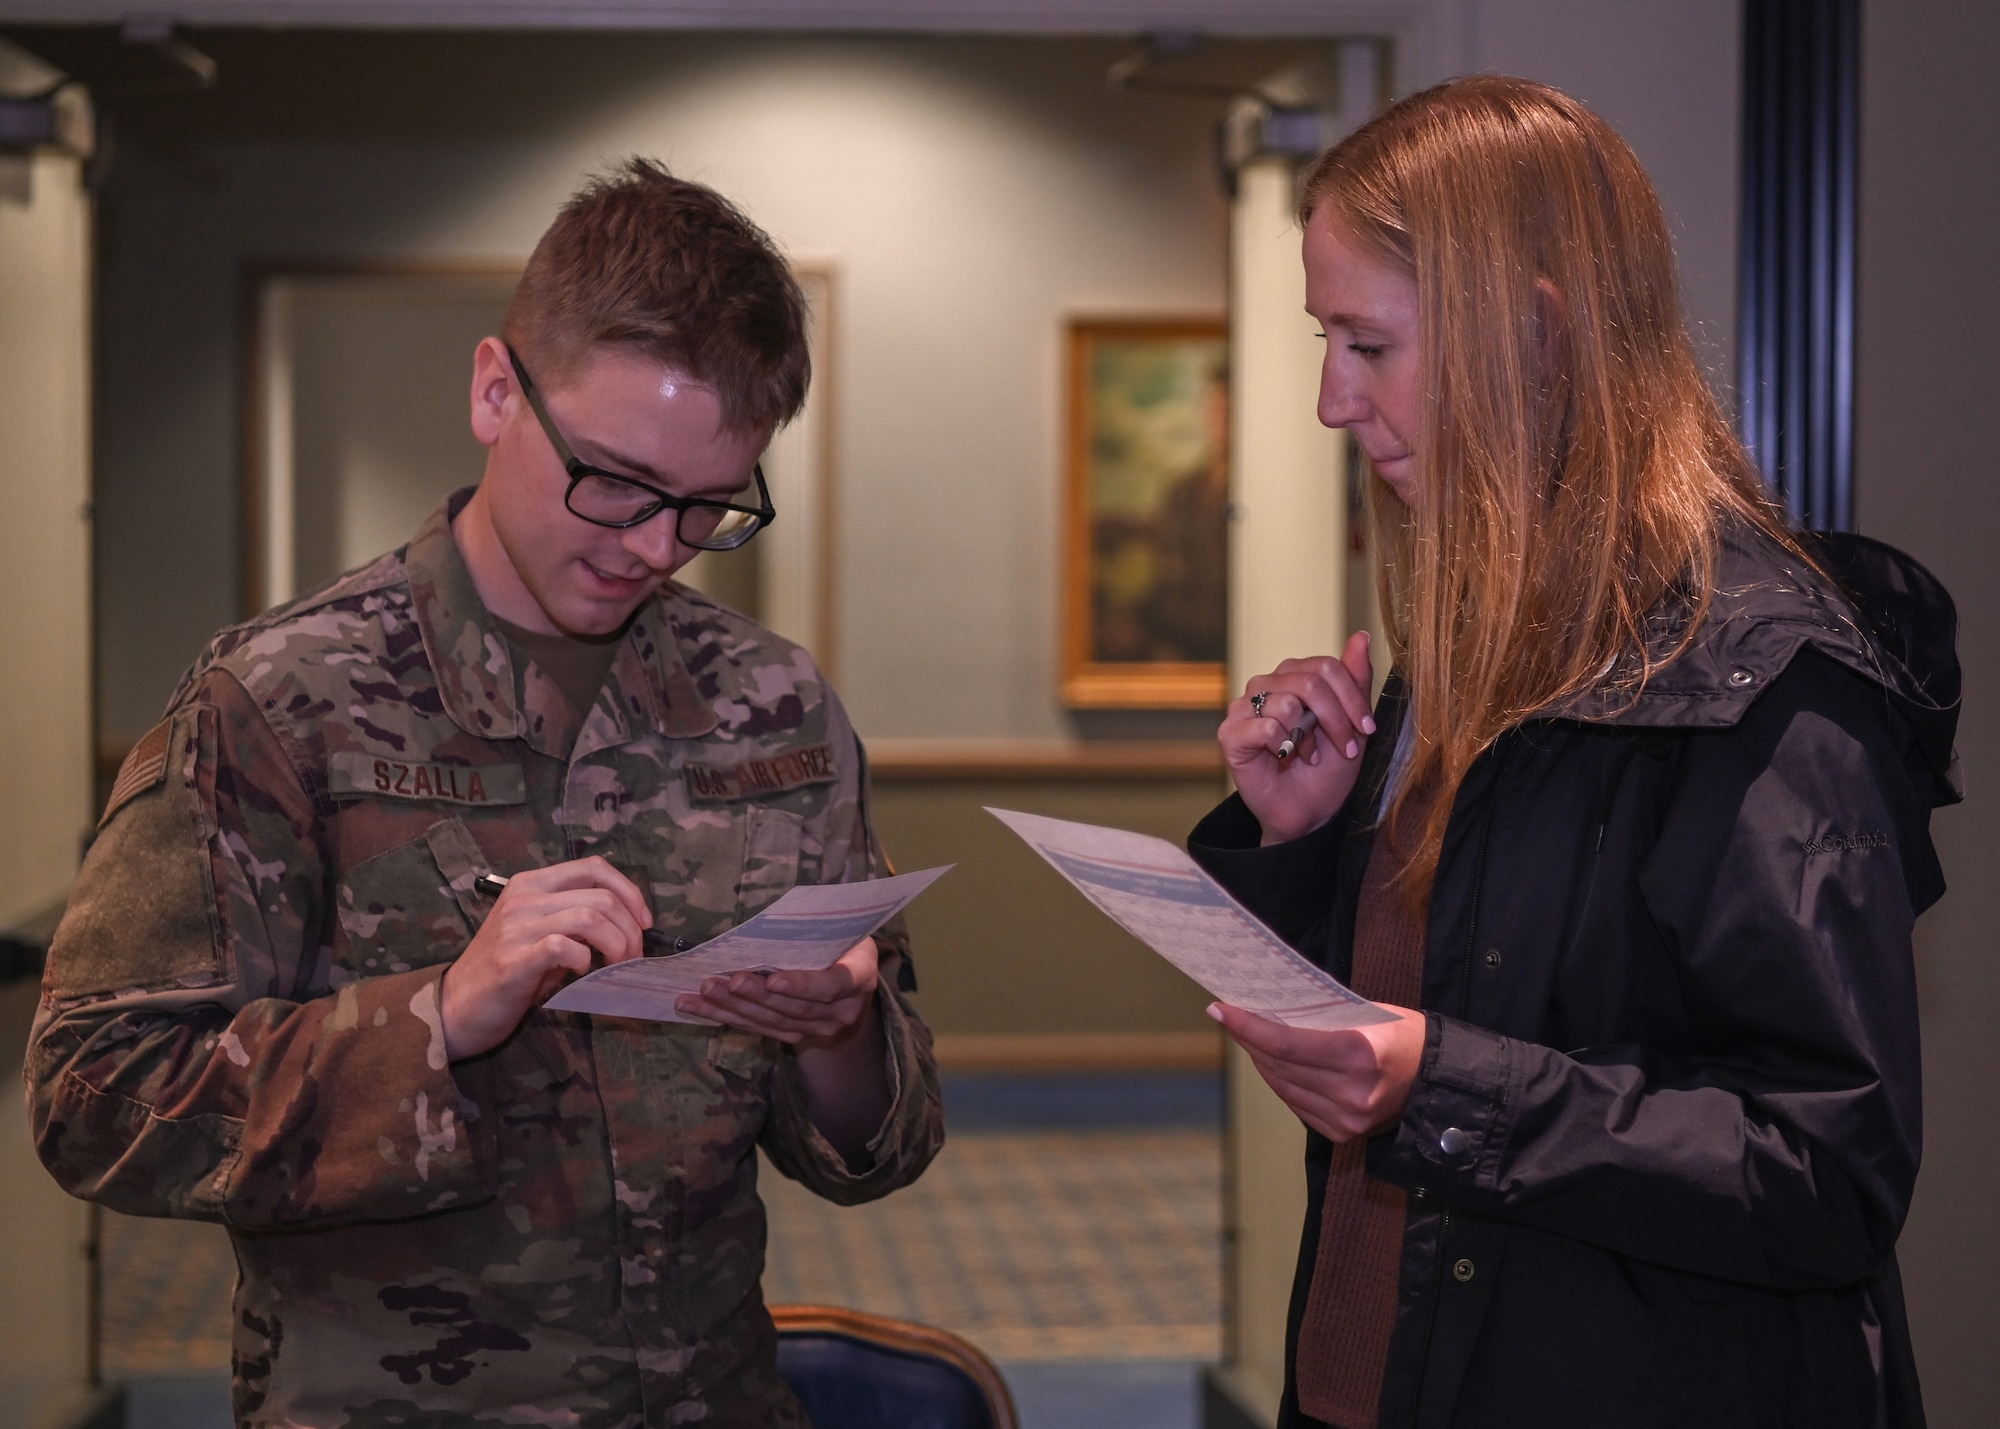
(1293, 741)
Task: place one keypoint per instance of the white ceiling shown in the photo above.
(1237, 17)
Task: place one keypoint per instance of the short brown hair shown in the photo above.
(642, 259)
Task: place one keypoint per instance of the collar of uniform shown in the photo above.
(648, 688)
(469, 657)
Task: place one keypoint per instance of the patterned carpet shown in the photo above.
(1098, 1244)
(1033, 1245)
(166, 1297)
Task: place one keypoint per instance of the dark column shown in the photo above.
(1795, 348)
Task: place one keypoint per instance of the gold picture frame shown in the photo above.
(1146, 514)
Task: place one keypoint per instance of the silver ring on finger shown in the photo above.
(1257, 703)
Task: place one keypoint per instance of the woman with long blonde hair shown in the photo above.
(1632, 842)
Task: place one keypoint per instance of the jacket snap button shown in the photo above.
(1462, 1269)
(1452, 1141)
(1493, 957)
(1740, 677)
(1418, 1193)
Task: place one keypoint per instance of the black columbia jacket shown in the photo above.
(1667, 1122)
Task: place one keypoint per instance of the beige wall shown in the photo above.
(1669, 77)
(969, 194)
(379, 373)
(44, 538)
(1929, 349)
(44, 728)
(1004, 945)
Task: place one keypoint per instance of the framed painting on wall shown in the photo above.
(1146, 607)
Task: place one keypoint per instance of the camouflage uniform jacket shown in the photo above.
(239, 1021)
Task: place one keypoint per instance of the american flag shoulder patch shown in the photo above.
(144, 768)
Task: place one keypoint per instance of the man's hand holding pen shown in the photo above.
(549, 925)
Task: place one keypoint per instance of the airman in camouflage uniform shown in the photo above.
(245, 1016)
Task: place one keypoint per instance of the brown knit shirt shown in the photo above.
(1351, 1305)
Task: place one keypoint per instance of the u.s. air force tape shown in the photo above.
(755, 778)
(354, 772)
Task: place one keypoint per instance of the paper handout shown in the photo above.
(809, 927)
(1164, 898)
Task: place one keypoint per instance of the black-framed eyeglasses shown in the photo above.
(604, 498)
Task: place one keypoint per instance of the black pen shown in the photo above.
(1307, 721)
(491, 884)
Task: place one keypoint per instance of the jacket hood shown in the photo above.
(1873, 609)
